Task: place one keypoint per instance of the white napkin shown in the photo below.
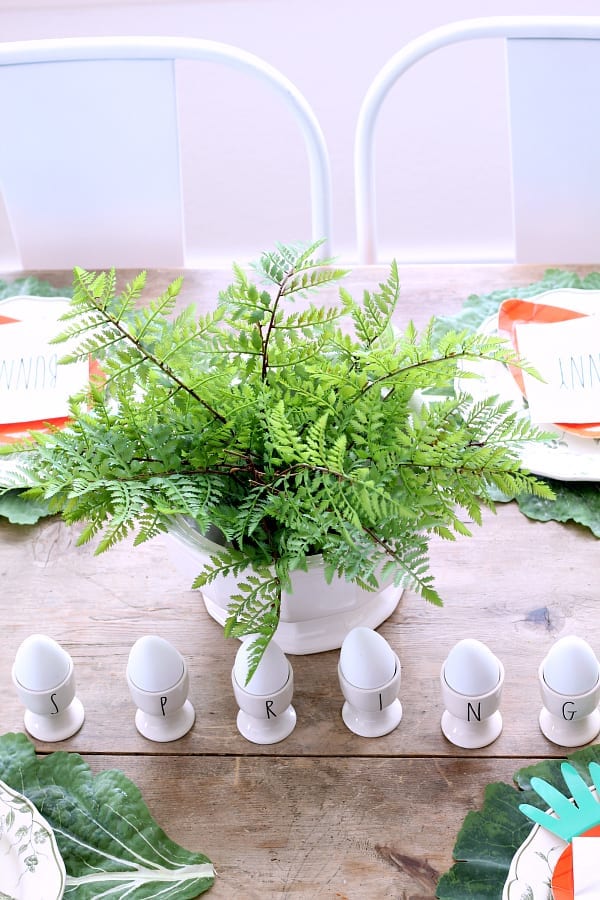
(586, 868)
(33, 385)
(567, 356)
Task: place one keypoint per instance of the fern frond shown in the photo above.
(291, 434)
(372, 319)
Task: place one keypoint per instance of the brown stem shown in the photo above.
(160, 365)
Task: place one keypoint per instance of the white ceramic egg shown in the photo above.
(154, 664)
(571, 667)
(271, 674)
(41, 663)
(471, 668)
(366, 659)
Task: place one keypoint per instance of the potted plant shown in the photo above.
(287, 429)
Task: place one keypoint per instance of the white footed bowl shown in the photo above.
(315, 616)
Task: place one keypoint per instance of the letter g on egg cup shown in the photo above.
(472, 721)
(569, 721)
(372, 712)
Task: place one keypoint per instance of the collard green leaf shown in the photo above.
(490, 837)
(110, 844)
(486, 845)
(33, 287)
(577, 501)
(550, 771)
(21, 511)
(477, 308)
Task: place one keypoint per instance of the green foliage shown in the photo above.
(109, 842)
(291, 431)
(490, 837)
(574, 501)
(20, 511)
(31, 286)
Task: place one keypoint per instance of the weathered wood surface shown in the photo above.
(517, 585)
(324, 813)
(426, 289)
(315, 828)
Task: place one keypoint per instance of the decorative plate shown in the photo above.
(542, 867)
(532, 866)
(567, 456)
(31, 867)
(28, 378)
(32, 382)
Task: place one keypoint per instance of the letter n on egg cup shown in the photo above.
(372, 712)
(265, 718)
(472, 722)
(569, 721)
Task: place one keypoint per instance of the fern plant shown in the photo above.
(292, 430)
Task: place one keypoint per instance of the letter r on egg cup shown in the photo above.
(265, 718)
(569, 721)
(472, 721)
(52, 715)
(372, 712)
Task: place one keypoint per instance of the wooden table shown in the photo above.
(324, 814)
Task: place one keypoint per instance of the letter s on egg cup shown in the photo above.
(54, 714)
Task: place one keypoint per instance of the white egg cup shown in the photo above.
(569, 721)
(472, 721)
(265, 718)
(54, 714)
(372, 712)
(163, 715)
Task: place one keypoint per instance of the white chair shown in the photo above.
(90, 155)
(555, 172)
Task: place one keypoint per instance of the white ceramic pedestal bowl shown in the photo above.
(315, 616)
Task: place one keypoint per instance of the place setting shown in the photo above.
(557, 332)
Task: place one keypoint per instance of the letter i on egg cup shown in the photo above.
(472, 721)
(371, 712)
(369, 674)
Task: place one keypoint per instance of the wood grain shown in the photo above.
(315, 827)
(517, 585)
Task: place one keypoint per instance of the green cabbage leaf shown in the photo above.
(110, 844)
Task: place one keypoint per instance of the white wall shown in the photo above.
(448, 117)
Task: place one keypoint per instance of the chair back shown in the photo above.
(555, 193)
(90, 166)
